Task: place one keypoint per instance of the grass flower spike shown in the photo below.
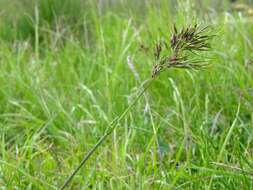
(184, 46)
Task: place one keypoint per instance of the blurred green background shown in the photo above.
(65, 74)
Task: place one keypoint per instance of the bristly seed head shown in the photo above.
(158, 50)
(191, 39)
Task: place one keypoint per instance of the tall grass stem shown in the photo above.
(113, 125)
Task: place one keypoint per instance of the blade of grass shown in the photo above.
(113, 125)
(225, 142)
(34, 179)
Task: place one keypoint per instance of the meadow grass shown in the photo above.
(64, 77)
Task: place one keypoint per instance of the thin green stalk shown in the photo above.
(225, 142)
(37, 33)
(108, 131)
(189, 39)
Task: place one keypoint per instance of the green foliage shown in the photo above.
(65, 75)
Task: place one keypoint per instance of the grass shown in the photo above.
(64, 77)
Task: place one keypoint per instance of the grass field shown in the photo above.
(65, 75)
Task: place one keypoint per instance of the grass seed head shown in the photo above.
(192, 39)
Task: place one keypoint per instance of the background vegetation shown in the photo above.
(64, 76)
